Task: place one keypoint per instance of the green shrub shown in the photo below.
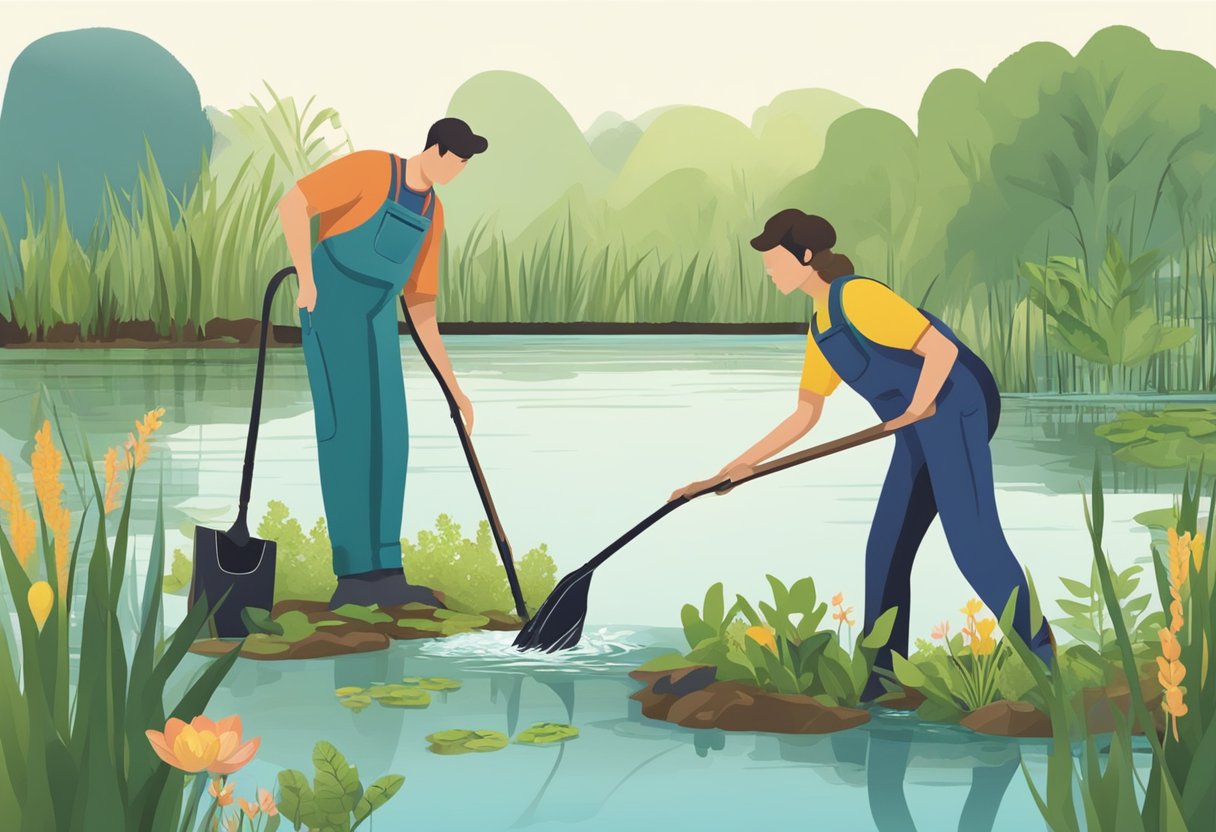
(468, 572)
(775, 652)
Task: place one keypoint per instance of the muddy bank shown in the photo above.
(226, 334)
(1023, 720)
(690, 696)
(310, 630)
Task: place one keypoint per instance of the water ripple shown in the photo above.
(597, 650)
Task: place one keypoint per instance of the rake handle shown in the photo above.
(843, 443)
(479, 477)
(852, 440)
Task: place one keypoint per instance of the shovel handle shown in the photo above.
(843, 443)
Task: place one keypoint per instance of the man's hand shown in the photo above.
(911, 415)
(306, 298)
(466, 409)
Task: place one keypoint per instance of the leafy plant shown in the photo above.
(1087, 617)
(1113, 324)
(73, 754)
(961, 676)
(781, 649)
(336, 800)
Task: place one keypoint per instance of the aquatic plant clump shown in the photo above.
(1172, 437)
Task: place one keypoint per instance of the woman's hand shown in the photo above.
(912, 414)
(734, 472)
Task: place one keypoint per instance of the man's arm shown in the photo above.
(422, 314)
(295, 216)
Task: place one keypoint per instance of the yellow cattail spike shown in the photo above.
(20, 523)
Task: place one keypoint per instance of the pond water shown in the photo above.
(580, 437)
(623, 771)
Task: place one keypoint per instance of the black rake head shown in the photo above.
(558, 624)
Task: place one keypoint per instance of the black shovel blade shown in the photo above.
(558, 624)
(245, 572)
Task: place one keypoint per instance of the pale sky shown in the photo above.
(390, 67)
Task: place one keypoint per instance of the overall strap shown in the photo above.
(393, 187)
(428, 203)
(835, 308)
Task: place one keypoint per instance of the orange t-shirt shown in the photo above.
(349, 190)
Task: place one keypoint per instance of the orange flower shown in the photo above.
(983, 644)
(250, 809)
(764, 636)
(203, 744)
(113, 486)
(837, 599)
(266, 801)
(842, 615)
(1170, 675)
(222, 795)
(942, 630)
(21, 527)
(1170, 648)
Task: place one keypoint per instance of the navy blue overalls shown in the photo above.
(940, 465)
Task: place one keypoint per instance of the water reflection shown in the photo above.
(894, 774)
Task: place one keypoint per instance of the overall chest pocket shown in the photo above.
(399, 236)
(841, 350)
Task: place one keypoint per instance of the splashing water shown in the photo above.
(599, 650)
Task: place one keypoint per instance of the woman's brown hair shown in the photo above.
(796, 232)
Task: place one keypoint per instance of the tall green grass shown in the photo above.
(73, 754)
(1104, 792)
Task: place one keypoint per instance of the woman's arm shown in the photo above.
(939, 353)
(790, 430)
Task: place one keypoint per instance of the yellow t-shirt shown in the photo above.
(878, 313)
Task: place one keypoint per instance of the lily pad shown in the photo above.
(439, 683)
(407, 698)
(368, 615)
(265, 644)
(462, 741)
(547, 733)
(296, 626)
(1168, 438)
(348, 691)
(356, 703)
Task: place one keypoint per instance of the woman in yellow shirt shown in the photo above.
(930, 389)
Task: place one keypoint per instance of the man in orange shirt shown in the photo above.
(380, 228)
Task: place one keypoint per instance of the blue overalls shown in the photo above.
(940, 465)
(353, 354)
